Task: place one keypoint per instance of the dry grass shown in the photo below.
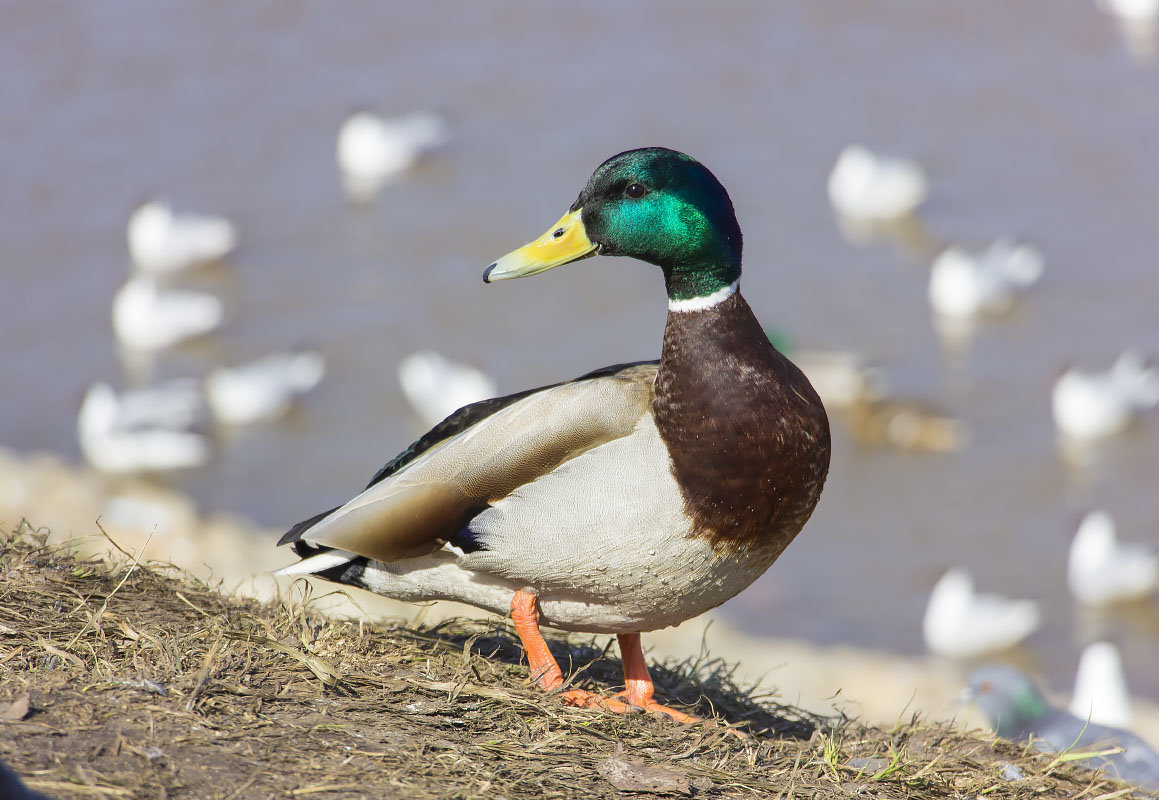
(143, 683)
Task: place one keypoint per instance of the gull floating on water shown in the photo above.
(1092, 405)
(163, 242)
(1100, 688)
(262, 390)
(1135, 10)
(965, 285)
(373, 150)
(178, 403)
(1101, 570)
(437, 386)
(1138, 21)
(118, 438)
(961, 623)
(866, 186)
(147, 317)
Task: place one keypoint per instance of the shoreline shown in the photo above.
(153, 523)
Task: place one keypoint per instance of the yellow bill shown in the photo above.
(564, 242)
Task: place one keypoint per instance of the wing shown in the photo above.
(477, 456)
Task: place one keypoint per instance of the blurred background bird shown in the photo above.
(866, 186)
(373, 150)
(1021, 713)
(962, 623)
(1102, 571)
(1100, 688)
(262, 390)
(436, 386)
(1091, 404)
(163, 242)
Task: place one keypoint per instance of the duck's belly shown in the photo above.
(605, 543)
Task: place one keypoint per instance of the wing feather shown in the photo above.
(422, 501)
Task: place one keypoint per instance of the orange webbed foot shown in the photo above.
(546, 672)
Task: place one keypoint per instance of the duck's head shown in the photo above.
(653, 204)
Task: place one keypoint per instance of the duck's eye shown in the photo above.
(635, 191)
(558, 232)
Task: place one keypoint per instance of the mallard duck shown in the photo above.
(629, 499)
(163, 242)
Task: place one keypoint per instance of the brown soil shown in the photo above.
(127, 680)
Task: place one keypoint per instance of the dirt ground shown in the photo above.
(126, 680)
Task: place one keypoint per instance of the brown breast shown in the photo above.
(747, 434)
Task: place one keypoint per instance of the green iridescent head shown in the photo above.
(652, 204)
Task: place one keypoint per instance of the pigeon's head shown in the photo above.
(1009, 699)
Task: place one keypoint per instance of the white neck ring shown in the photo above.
(701, 303)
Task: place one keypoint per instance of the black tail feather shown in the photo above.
(294, 534)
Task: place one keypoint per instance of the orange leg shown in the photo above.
(546, 672)
(544, 669)
(638, 682)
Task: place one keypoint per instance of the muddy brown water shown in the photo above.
(1032, 118)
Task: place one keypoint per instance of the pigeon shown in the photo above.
(1019, 712)
(960, 623)
(1100, 570)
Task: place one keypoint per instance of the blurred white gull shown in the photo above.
(1138, 22)
(147, 317)
(1100, 688)
(373, 150)
(110, 445)
(962, 624)
(262, 390)
(965, 285)
(1100, 570)
(178, 403)
(1091, 405)
(437, 386)
(1133, 10)
(163, 242)
(865, 186)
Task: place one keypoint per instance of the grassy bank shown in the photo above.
(131, 680)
